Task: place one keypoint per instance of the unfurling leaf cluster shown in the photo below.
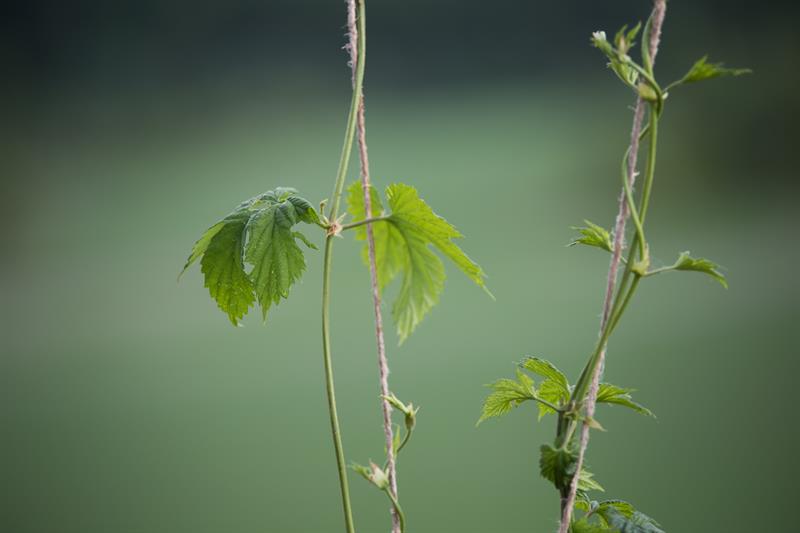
(405, 233)
(552, 393)
(252, 254)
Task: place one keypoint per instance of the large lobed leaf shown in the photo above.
(257, 233)
(403, 246)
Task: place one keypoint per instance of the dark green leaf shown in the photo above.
(259, 232)
(557, 465)
(222, 266)
(630, 523)
(403, 245)
(686, 262)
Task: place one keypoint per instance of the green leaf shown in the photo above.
(619, 506)
(557, 465)
(554, 389)
(586, 482)
(259, 233)
(223, 268)
(506, 394)
(593, 235)
(372, 473)
(403, 243)
(624, 39)
(699, 264)
(635, 522)
(703, 70)
(547, 370)
(608, 393)
(585, 526)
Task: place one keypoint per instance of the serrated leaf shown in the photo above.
(554, 389)
(622, 507)
(277, 260)
(259, 233)
(553, 393)
(585, 526)
(223, 268)
(634, 523)
(608, 393)
(593, 235)
(700, 264)
(403, 243)
(703, 70)
(547, 370)
(557, 465)
(586, 482)
(506, 394)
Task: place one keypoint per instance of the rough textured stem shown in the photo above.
(360, 37)
(659, 10)
(344, 162)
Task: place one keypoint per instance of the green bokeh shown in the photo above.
(129, 404)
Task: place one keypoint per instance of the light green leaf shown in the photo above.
(699, 264)
(593, 235)
(506, 394)
(585, 526)
(372, 473)
(624, 39)
(586, 482)
(547, 370)
(619, 506)
(259, 232)
(554, 389)
(403, 244)
(608, 393)
(703, 70)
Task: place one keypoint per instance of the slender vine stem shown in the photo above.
(358, 58)
(368, 220)
(612, 311)
(344, 161)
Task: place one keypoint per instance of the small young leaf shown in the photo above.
(608, 393)
(699, 264)
(403, 245)
(593, 235)
(703, 70)
(373, 473)
(547, 370)
(624, 39)
(259, 232)
(554, 389)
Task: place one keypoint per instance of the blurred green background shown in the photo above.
(129, 404)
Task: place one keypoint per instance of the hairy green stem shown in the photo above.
(344, 162)
(589, 381)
